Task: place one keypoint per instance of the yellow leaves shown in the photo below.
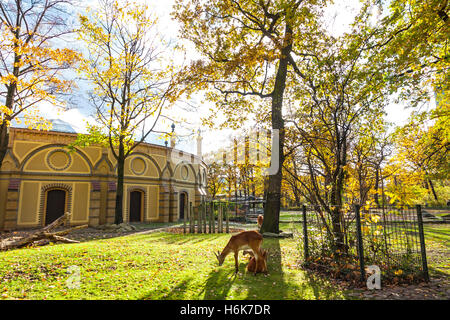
(8, 79)
(375, 218)
(4, 110)
(398, 272)
(34, 68)
(365, 230)
(5, 114)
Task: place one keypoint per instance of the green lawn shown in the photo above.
(156, 266)
(161, 265)
(437, 242)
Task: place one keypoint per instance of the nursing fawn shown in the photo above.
(245, 240)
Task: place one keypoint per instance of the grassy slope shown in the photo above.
(169, 266)
(156, 266)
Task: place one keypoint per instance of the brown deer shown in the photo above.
(260, 220)
(245, 240)
(254, 266)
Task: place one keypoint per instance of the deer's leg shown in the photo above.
(236, 263)
(257, 265)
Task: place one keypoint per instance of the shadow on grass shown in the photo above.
(275, 279)
(438, 236)
(435, 273)
(181, 239)
(219, 283)
(277, 285)
(285, 279)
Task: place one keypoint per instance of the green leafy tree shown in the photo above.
(247, 50)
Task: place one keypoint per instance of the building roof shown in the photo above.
(61, 126)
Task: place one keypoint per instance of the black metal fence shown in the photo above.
(344, 241)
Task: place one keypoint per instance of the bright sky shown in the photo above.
(341, 14)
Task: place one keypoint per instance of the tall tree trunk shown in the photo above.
(118, 217)
(336, 213)
(272, 207)
(337, 191)
(4, 141)
(4, 127)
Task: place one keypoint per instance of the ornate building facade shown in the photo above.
(41, 178)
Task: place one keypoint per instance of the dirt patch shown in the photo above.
(181, 230)
(436, 289)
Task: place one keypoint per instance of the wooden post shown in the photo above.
(191, 218)
(208, 211)
(200, 222)
(184, 217)
(220, 218)
(204, 217)
(209, 217)
(213, 218)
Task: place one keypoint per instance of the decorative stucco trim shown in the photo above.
(104, 158)
(186, 164)
(50, 164)
(48, 146)
(132, 169)
(152, 160)
(13, 157)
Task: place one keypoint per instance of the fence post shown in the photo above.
(422, 243)
(203, 217)
(219, 217)
(200, 219)
(205, 209)
(227, 219)
(213, 217)
(191, 218)
(360, 244)
(305, 235)
(209, 217)
(184, 217)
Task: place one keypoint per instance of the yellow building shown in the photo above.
(40, 179)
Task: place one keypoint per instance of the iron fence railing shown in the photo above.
(344, 241)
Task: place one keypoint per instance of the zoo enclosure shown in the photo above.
(207, 217)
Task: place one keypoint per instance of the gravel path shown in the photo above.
(436, 289)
